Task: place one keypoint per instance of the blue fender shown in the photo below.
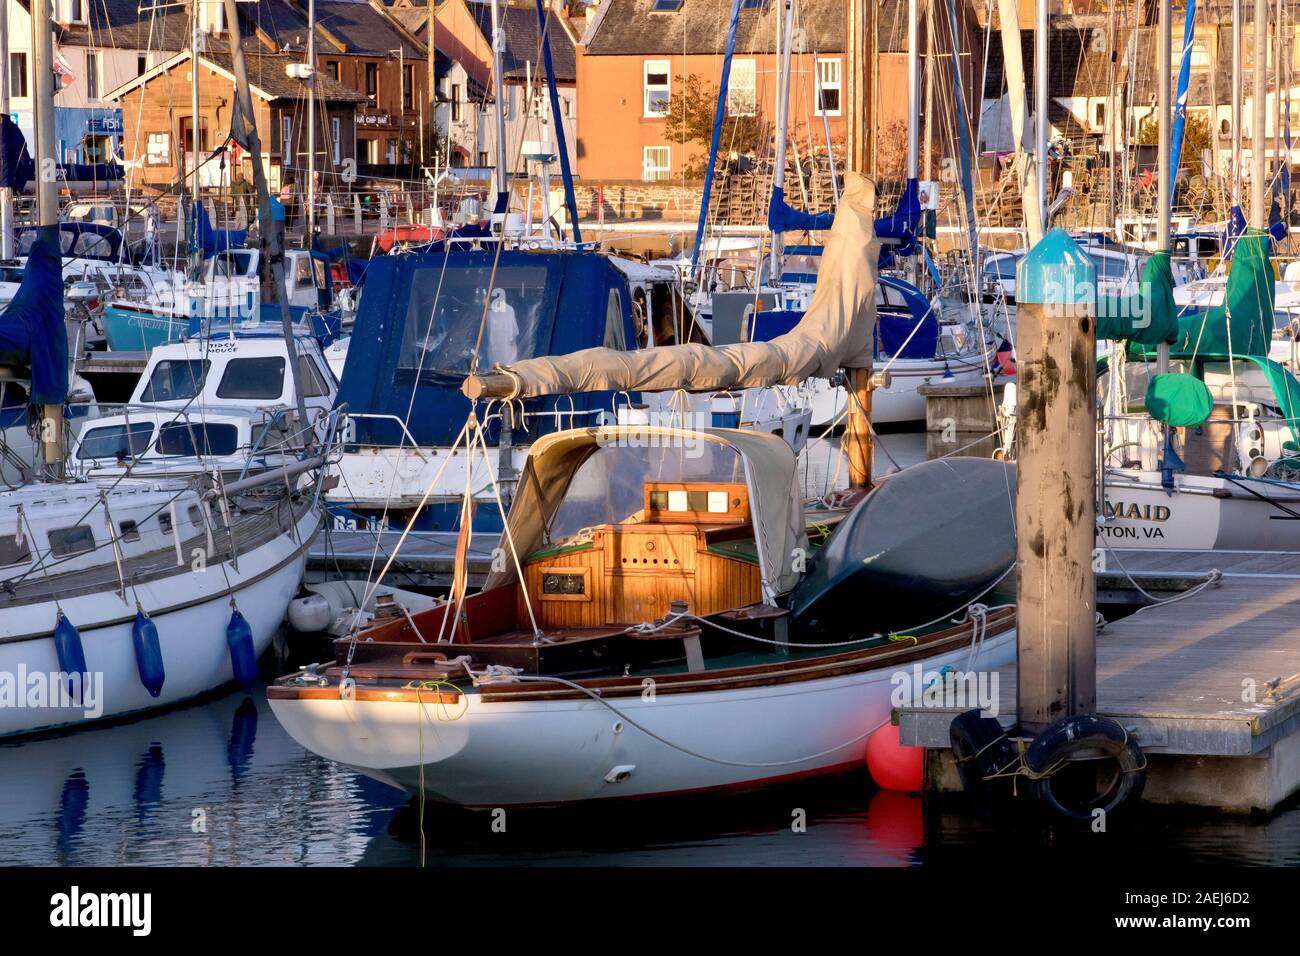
(148, 653)
(243, 657)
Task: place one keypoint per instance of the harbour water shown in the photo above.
(220, 783)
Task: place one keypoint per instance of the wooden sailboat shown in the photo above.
(654, 627)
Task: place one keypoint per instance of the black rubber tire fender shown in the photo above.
(1070, 735)
(980, 747)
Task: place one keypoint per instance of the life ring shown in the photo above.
(1079, 738)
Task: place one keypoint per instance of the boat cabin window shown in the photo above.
(195, 438)
(175, 380)
(232, 265)
(14, 551)
(446, 311)
(65, 542)
(302, 273)
(115, 441)
(165, 523)
(627, 485)
(128, 530)
(253, 378)
(313, 383)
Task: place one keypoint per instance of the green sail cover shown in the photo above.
(1243, 325)
(1178, 399)
(1149, 316)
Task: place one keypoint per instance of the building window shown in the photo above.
(654, 164)
(92, 75)
(483, 158)
(390, 153)
(18, 74)
(372, 82)
(408, 88)
(742, 88)
(286, 140)
(1099, 116)
(336, 135)
(141, 64)
(98, 149)
(657, 89)
(828, 87)
(158, 149)
(1225, 127)
(333, 69)
(455, 102)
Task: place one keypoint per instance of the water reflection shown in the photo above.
(220, 783)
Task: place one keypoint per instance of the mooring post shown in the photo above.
(1056, 474)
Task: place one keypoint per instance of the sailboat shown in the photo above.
(661, 622)
(124, 593)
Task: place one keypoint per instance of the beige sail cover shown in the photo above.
(770, 476)
(835, 332)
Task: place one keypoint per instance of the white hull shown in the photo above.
(190, 610)
(548, 752)
(900, 403)
(1140, 514)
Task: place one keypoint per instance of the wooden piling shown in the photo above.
(1055, 482)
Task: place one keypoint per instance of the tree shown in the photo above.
(690, 114)
(1196, 138)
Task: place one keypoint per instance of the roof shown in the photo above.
(631, 28)
(523, 40)
(266, 77)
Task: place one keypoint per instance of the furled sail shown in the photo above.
(835, 332)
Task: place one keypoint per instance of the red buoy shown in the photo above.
(893, 766)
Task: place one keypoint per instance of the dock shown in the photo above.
(1209, 684)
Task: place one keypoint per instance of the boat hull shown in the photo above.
(1204, 512)
(190, 610)
(497, 753)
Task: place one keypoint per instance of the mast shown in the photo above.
(498, 90)
(47, 195)
(431, 95)
(1258, 212)
(1040, 108)
(195, 256)
(784, 25)
(857, 435)
(272, 252)
(1026, 165)
(311, 121)
(6, 194)
(913, 108)
(1167, 164)
(1238, 91)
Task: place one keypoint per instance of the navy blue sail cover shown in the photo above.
(418, 324)
(212, 241)
(32, 333)
(16, 166)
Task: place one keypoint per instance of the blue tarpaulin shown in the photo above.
(212, 241)
(781, 218)
(902, 225)
(32, 332)
(418, 329)
(16, 166)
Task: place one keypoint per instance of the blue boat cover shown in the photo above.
(418, 324)
(902, 225)
(32, 332)
(892, 329)
(210, 240)
(17, 168)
